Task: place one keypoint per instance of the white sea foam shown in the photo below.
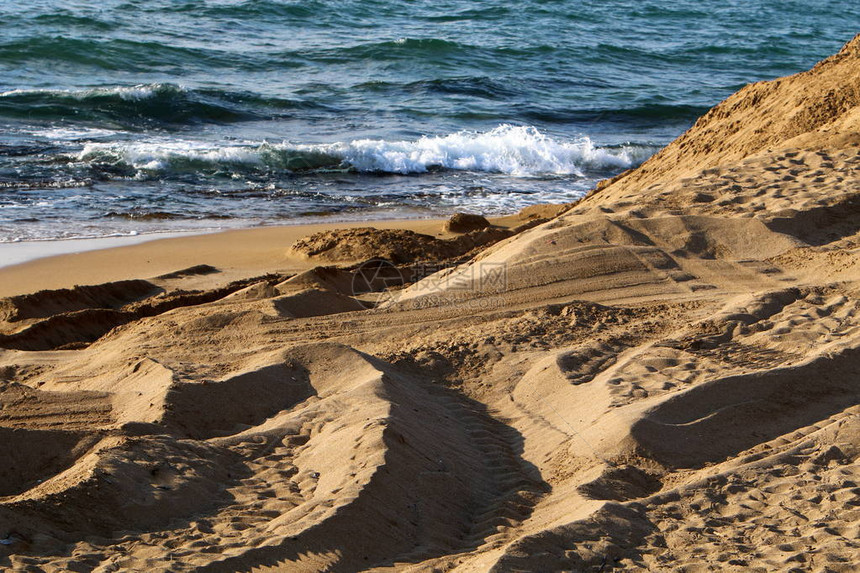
(513, 150)
(162, 155)
(73, 133)
(127, 93)
(141, 91)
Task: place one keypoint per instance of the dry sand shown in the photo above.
(236, 254)
(663, 377)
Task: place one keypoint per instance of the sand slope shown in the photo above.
(664, 377)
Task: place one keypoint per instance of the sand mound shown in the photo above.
(25, 407)
(32, 456)
(50, 302)
(397, 246)
(333, 279)
(465, 222)
(663, 254)
(725, 416)
(201, 411)
(191, 271)
(313, 302)
(36, 323)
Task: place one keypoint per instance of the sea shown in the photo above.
(135, 117)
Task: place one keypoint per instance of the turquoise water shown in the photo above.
(133, 116)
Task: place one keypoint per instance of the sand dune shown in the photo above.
(663, 376)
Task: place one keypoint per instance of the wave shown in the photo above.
(166, 105)
(308, 12)
(67, 20)
(483, 13)
(475, 86)
(425, 51)
(113, 54)
(127, 93)
(142, 106)
(507, 149)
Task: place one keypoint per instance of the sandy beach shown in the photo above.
(663, 376)
(237, 254)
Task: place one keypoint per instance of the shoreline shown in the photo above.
(21, 252)
(24, 251)
(236, 253)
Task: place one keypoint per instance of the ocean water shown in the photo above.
(142, 116)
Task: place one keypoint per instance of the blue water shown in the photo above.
(138, 116)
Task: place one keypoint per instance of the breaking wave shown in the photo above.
(512, 150)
